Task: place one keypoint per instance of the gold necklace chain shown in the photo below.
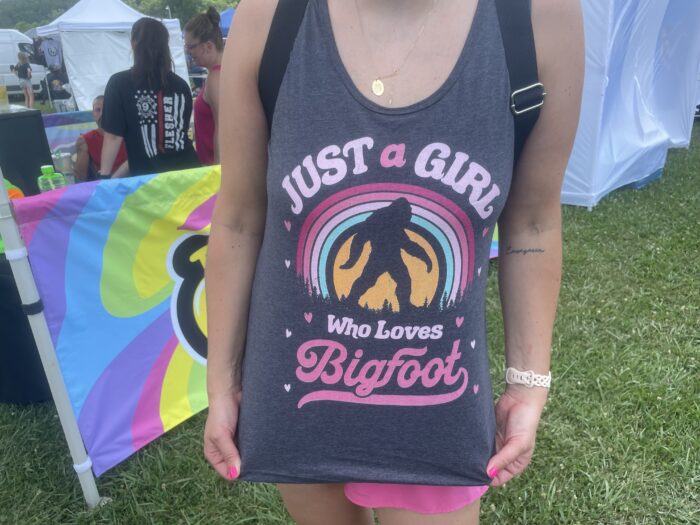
(378, 84)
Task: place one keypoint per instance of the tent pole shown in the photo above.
(16, 254)
(48, 90)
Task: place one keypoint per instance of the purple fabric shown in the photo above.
(48, 247)
(144, 427)
(117, 393)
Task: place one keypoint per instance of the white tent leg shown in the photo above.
(16, 254)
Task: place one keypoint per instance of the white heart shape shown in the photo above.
(287, 262)
(288, 333)
(473, 343)
(287, 387)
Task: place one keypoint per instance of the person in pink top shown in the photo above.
(205, 44)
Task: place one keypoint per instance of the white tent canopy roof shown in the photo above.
(98, 15)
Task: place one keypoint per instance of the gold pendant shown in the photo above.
(378, 87)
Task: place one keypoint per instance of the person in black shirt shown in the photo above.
(24, 72)
(149, 108)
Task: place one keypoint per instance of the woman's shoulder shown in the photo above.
(91, 135)
(257, 11)
(552, 20)
(120, 78)
(250, 28)
(126, 73)
(558, 29)
(177, 83)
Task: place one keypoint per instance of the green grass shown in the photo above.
(44, 107)
(619, 441)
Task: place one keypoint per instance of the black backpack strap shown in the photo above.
(528, 93)
(278, 48)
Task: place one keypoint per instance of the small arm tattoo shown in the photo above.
(524, 251)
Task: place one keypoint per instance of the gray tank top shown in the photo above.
(366, 355)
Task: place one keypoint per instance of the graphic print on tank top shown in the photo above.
(385, 263)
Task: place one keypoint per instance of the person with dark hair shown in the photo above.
(148, 107)
(88, 149)
(205, 44)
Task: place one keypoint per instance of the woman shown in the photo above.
(23, 70)
(357, 404)
(88, 149)
(148, 107)
(205, 44)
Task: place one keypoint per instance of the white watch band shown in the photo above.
(527, 378)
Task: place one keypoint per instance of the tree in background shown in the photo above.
(26, 14)
(181, 9)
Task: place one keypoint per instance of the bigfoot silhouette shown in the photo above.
(385, 229)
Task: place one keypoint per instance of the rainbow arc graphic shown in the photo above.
(333, 218)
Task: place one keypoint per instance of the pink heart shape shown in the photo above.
(485, 232)
(288, 225)
(475, 388)
(459, 320)
(308, 316)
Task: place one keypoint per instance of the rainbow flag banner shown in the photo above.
(119, 265)
(494, 244)
(63, 129)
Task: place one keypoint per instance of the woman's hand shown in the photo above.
(517, 417)
(219, 448)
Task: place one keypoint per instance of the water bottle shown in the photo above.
(44, 180)
(57, 180)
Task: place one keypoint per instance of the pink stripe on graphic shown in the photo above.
(146, 424)
(200, 217)
(393, 400)
(458, 221)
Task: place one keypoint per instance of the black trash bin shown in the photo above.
(22, 378)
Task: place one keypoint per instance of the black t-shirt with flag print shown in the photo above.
(153, 122)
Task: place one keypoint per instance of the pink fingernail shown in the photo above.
(232, 473)
(493, 472)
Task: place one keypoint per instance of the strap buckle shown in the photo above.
(531, 101)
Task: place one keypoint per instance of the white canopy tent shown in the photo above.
(96, 39)
(640, 91)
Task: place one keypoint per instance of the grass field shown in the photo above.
(619, 441)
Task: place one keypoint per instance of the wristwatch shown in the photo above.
(527, 378)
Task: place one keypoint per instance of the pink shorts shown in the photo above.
(424, 499)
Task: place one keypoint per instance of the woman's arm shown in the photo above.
(110, 150)
(211, 95)
(237, 229)
(82, 159)
(530, 232)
